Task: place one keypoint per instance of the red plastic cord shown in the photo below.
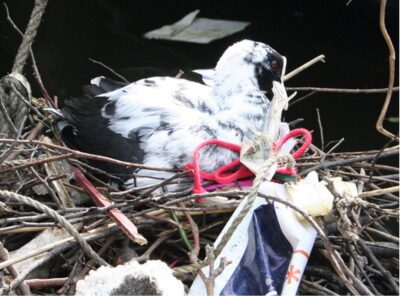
(222, 174)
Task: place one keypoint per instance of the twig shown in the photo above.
(27, 103)
(4, 256)
(40, 261)
(89, 236)
(164, 182)
(41, 283)
(291, 103)
(321, 130)
(36, 162)
(60, 219)
(343, 162)
(333, 147)
(33, 134)
(195, 232)
(341, 90)
(320, 58)
(79, 154)
(353, 254)
(389, 196)
(146, 255)
(179, 74)
(321, 290)
(115, 214)
(392, 57)
(110, 69)
(373, 162)
(49, 189)
(387, 275)
(383, 235)
(7, 117)
(213, 273)
(379, 192)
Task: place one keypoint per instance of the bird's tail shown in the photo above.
(101, 85)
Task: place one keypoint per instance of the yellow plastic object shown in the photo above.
(311, 196)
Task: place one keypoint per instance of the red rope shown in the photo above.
(224, 174)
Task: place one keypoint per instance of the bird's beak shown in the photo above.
(284, 67)
(278, 88)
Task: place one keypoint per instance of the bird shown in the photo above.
(159, 121)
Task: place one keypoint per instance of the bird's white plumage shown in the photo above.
(170, 117)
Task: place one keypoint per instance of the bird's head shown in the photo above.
(255, 61)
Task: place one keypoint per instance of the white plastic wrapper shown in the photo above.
(197, 30)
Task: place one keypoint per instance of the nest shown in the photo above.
(42, 196)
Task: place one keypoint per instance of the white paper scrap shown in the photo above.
(197, 30)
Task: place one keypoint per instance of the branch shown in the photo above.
(382, 26)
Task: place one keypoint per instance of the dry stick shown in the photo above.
(320, 58)
(49, 189)
(36, 162)
(164, 182)
(373, 162)
(40, 261)
(291, 103)
(229, 205)
(383, 234)
(379, 192)
(321, 130)
(380, 267)
(4, 256)
(110, 69)
(351, 250)
(389, 196)
(27, 102)
(213, 273)
(320, 288)
(382, 26)
(78, 154)
(194, 254)
(333, 148)
(343, 162)
(341, 90)
(41, 283)
(63, 245)
(115, 214)
(382, 178)
(7, 117)
(87, 267)
(146, 255)
(372, 166)
(57, 217)
(33, 134)
(99, 232)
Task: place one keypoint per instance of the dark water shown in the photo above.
(110, 31)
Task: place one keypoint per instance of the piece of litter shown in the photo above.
(151, 278)
(311, 196)
(344, 189)
(197, 30)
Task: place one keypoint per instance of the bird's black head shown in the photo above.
(268, 66)
(253, 60)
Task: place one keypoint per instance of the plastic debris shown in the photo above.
(197, 30)
(310, 195)
(268, 250)
(152, 278)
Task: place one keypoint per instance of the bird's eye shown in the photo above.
(274, 64)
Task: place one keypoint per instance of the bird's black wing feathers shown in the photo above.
(90, 133)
